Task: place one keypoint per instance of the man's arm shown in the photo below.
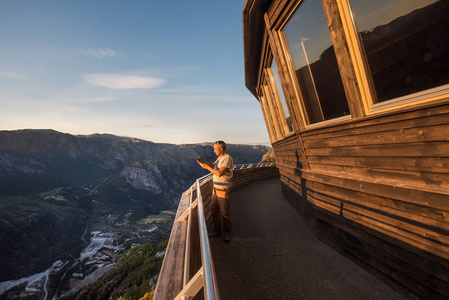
(206, 165)
(211, 169)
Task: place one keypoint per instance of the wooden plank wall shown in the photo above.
(378, 191)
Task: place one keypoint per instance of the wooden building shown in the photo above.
(355, 96)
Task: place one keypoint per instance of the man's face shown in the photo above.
(217, 149)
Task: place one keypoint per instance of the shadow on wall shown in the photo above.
(298, 172)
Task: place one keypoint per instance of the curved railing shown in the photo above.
(255, 165)
(184, 276)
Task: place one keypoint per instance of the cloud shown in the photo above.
(12, 75)
(91, 52)
(100, 52)
(120, 82)
(93, 99)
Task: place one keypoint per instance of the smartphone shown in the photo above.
(200, 160)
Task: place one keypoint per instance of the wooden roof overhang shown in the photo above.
(253, 37)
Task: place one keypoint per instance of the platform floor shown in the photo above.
(274, 255)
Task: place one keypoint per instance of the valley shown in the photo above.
(66, 277)
(70, 206)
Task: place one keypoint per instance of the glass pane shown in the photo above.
(313, 57)
(277, 80)
(406, 44)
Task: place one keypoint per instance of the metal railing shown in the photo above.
(205, 276)
(255, 165)
(210, 290)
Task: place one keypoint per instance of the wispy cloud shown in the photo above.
(208, 93)
(91, 52)
(12, 75)
(100, 52)
(147, 126)
(119, 82)
(93, 99)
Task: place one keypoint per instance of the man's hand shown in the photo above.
(211, 169)
(204, 165)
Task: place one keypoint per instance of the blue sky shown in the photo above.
(164, 71)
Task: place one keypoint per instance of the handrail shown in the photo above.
(205, 277)
(257, 165)
(240, 167)
(210, 292)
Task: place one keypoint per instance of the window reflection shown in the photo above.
(405, 43)
(312, 53)
(277, 81)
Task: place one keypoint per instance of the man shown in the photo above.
(222, 170)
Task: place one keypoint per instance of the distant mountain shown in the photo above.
(56, 186)
(33, 161)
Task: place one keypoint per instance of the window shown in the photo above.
(404, 45)
(312, 54)
(280, 92)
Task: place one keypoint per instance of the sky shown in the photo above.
(162, 71)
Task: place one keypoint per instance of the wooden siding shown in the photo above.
(377, 190)
(290, 152)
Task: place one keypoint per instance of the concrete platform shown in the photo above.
(274, 255)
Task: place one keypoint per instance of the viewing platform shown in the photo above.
(274, 254)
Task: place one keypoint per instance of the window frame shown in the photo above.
(267, 117)
(276, 95)
(267, 94)
(292, 77)
(364, 77)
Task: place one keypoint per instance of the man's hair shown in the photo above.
(222, 144)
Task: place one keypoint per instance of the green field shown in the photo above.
(164, 216)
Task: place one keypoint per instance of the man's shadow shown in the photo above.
(298, 172)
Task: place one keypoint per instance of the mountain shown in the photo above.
(56, 187)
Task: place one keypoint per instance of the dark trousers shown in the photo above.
(220, 208)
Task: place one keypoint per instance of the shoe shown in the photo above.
(227, 237)
(214, 234)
